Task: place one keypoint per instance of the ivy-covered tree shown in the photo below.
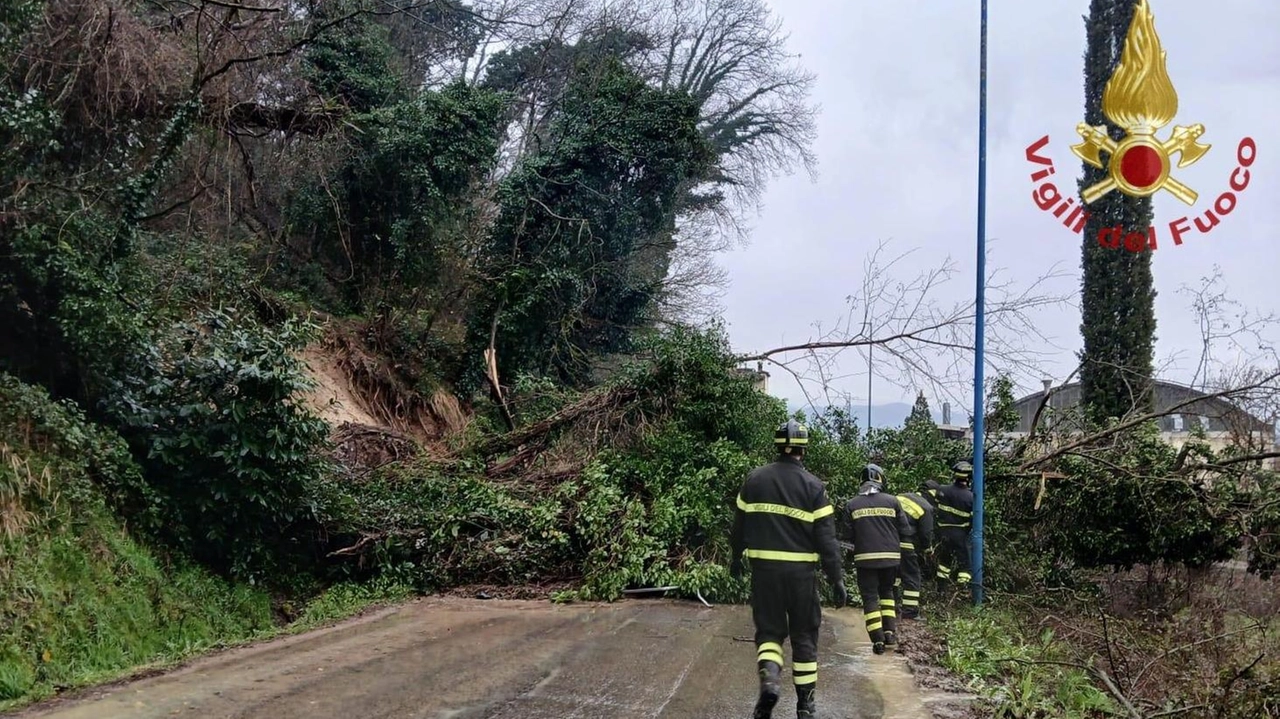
(574, 219)
(1118, 299)
(354, 64)
(388, 216)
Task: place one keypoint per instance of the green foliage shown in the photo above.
(353, 63)
(920, 415)
(1001, 408)
(81, 601)
(399, 194)
(693, 368)
(1021, 680)
(1126, 517)
(1117, 293)
(1261, 524)
(1130, 510)
(655, 513)
(16, 17)
(837, 452)
(567, 251)
(347, 598)
(227, 448)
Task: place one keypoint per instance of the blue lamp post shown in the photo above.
(978, 356)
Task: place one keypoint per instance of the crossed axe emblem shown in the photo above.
(1182, 141)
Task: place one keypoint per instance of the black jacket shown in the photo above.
(955, 507)
(785, 522)
(919, 521)
(874, 523)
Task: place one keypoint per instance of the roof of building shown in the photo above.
(1218, 413)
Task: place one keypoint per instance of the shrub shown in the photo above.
(231, 454)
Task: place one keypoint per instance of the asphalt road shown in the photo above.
(444, 658)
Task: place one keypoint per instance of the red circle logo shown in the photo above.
(1141, 166)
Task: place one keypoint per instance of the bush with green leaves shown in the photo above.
(654, 512)
(80, 599)
(228, 449)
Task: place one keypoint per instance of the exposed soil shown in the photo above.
(333, 398)
(922, 648)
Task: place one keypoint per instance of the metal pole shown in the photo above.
(870, 348)
(978, 429)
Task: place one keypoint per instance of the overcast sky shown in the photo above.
(897, 143)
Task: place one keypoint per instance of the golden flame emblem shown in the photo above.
(1140, 99)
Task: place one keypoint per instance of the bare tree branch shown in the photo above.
(926, 341)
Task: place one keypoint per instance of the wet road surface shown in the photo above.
(443, 658)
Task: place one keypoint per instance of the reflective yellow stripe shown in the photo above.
(769, 652)
(873, 512)
(805, 678)
(793, 440)
(874, 626)
(869, 556)
(871, 615)
(782, 556)
(907, 545)
(954, 511)
(887, 603)
(890, 614)
(804, 667)
(910, 507)
(910, 593)
(774, 657)
(800, 514)
(910, 602)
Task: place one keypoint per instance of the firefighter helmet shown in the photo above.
(791, 434)
(962, 470)
(873, 473)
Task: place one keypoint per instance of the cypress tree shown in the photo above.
(1117, 297)
(921, 414)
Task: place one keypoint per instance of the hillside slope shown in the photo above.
(80, 599)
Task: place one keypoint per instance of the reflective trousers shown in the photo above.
(878, 608)
(953, 555)
(907, 586)
(786, 603)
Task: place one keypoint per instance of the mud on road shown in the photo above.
(441, 658)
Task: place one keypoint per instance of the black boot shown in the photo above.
(806, 706)
(770, 687)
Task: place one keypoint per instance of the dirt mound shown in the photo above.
(362, 448)
(333, 398)
(376, 417)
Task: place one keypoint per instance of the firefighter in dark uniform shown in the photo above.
(928, 558)
(914, 544)
(785, 526)
(874, 524)
(954, 518)
(930, 491)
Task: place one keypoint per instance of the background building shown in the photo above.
(1222, 422)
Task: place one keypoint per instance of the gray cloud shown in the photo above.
(897, 83)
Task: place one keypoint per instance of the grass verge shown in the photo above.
(82, 601)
